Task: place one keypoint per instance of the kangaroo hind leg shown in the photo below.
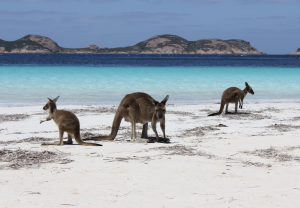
(70, 141)
(133, 135)
(145, 131)
(60, 142)
(226, 110)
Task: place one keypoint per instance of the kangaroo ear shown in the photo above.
(165, 100)
(246, 84)
(153, 101)
(50, 100)
(55, 99)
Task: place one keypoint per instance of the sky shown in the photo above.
(271, 26)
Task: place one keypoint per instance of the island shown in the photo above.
(160, 44)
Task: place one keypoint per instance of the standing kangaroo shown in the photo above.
(139, 108)
(233, 95)
(66, 122)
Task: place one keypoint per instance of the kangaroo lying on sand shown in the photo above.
(66, 122)
(233, 95)
(138, 108)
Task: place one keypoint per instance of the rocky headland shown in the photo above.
(297, 52)
(160, 44)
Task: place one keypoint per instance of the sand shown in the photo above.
(251, 159)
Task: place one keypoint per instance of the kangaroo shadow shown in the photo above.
(161, 140)
(239, 113)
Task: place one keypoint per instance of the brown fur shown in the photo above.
(66, 122)
(139, 108)
(233, 95)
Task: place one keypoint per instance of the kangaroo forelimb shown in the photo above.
(47, 119)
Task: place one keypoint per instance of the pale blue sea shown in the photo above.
(28, 79)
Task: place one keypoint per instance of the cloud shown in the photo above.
(23, 23)
(103, 1)
(271, 17)
(225, 1)
(32, 12)
(36, 1)
(129, 17)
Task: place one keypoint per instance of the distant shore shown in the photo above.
(160, 44)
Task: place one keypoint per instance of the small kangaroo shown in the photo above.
(139, 108)
(66, 122)
(233, 95)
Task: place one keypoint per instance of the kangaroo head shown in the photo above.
(160, 107)
(51, 104)
(249, 89)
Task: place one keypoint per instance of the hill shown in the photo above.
(160, 44)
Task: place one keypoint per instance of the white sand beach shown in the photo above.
(251, 159)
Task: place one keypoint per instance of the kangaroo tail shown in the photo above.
(79, 141)
(220, 111)
(89, 144)
(214, 114)
(114, 130)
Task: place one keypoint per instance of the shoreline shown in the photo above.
(116, 103)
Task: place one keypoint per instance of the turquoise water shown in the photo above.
(84, 84)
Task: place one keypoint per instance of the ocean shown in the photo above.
(96, 79)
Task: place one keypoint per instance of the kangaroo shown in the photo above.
(139, 108)
(233, 95)
(66, 122)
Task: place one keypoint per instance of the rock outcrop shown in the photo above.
(29, 44)
(160, 44)
(45, 42)
(172, 44)
(217, 46)
(93, 47)
(297, 52)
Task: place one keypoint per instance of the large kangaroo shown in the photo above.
(139, 108)
(66, 122)
(233, 95)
